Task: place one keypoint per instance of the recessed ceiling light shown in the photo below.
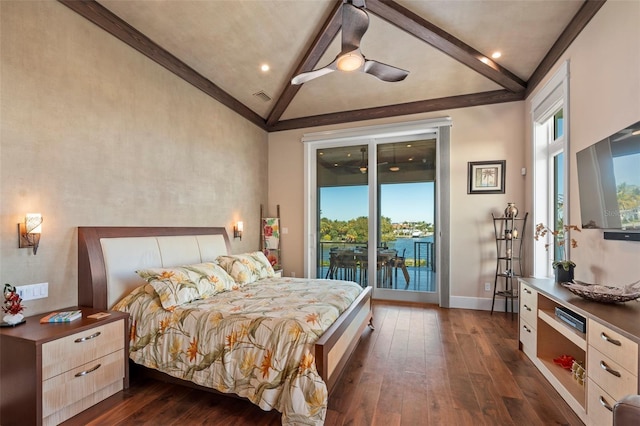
(408, 145)
(496, 55)
(265, 67)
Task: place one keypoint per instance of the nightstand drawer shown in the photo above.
(609, 375)
(62, 355)
(620, 349)
(68, 388)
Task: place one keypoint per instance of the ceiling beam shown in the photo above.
(424, 30)
(430, 105)
(310, 59)
(115, 26)
(575, 27)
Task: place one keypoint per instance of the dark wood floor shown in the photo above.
(421, 366)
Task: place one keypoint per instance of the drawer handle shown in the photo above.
(605, 404)
(527, 329)
(85, 372)
(608, 369)
(609, 339)
(84, 339)
(526, 290)
(527, 308)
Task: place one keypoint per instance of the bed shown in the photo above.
(108, 258)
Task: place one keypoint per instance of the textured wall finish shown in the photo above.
(94, 133)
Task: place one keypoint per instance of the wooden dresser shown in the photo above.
(608, 348)
(51, 372)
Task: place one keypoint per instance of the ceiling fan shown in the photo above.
(362, 166)
(355, 22)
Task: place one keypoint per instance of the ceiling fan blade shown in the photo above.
(308, 76)
(355, 22)
(384, 72)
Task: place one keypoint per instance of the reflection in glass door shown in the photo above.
(406, 204)
(343, 209)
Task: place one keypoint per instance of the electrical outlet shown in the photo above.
(487, 286)
(33, 291)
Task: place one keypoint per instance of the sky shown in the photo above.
(411, 202)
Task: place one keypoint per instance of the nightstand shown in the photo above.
(51, 372)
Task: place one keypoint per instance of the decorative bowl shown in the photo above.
(602, 293)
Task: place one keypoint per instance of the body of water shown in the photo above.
(409, 245)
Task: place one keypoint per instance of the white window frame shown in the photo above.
(553, 97)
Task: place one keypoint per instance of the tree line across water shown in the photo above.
(356, 230)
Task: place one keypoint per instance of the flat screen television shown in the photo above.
(609, 183)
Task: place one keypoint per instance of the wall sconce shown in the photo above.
(237, 230)
(29, 231)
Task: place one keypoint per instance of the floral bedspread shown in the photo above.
(256, 341)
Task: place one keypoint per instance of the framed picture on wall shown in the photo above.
(486, 177)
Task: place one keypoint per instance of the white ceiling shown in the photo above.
(227, 41)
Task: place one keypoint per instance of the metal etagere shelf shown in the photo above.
(509, 236)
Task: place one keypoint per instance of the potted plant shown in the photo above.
(562, 239)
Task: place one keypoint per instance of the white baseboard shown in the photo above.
(480, 303)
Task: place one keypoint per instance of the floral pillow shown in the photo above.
(184, 284)
(246, 268)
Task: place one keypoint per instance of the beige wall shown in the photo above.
(605, 97)
(604, 86)
(94, 133)
(494, 132)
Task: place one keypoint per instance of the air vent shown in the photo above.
(262, 96)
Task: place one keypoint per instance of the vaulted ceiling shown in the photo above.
(219, 46)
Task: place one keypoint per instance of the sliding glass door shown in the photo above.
(375, 215)
(343, 213)
(406, 208)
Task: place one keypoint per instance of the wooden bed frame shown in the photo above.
(332, 350)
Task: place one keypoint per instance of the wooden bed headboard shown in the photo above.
(108, 257)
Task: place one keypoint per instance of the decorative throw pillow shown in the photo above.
(246, 268)
(184, 284)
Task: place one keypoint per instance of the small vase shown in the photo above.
(13, 319)
(563, 276)
(511, 210)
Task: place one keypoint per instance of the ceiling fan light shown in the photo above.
(363, 169)
(350, 62)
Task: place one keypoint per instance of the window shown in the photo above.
(550, 111)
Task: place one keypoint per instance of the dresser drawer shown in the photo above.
(528, 338)
(617, 347)
(70, 387)
(529, 308)
(62, 355)
(609, 375)
(597, 402)
(528, 297)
